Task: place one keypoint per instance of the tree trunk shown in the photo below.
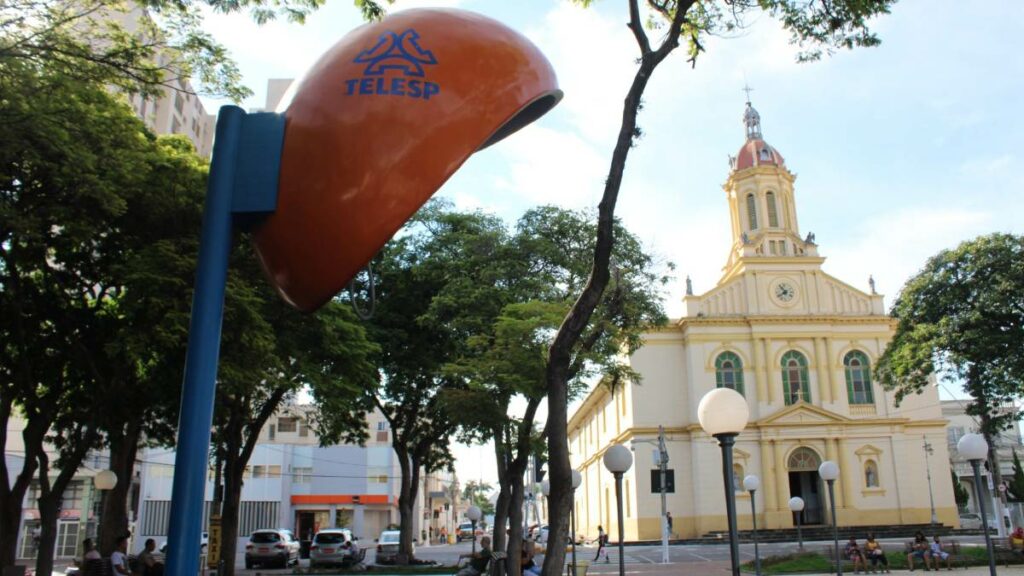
(48, 514)
(406, 500)
(114, 519)
(515, 517)
(561, 351)
(12, 494)
(229, 513)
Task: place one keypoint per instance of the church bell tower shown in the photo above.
(761, 201)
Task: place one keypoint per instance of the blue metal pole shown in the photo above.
(197, 396)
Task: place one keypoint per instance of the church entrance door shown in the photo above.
(804, 482)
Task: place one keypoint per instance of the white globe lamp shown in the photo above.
(105, 480)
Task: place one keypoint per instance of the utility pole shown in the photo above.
(927, 452)
(663, 467)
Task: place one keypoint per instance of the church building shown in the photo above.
(799, 345)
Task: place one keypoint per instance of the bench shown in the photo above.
(951, 547)
(497, 559)
(1005, 550)
(829, 553)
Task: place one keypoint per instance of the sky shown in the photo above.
(900, 151)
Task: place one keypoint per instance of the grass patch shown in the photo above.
(382, 570)
(815, 562)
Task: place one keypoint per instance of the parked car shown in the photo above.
(271, 547)
(972, 521)
(387, 546)
(464, 532)
(541, 535)
(202, 544)
(328, 547)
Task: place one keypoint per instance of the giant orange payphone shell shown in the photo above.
(378, 124)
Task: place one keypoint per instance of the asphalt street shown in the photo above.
(684, 559)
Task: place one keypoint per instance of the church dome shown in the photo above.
(755, 151)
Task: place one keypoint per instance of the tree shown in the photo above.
(546, 263)
(271, 352)
(435, 287)
(1016, 484)
(68, 165)
(476, 494)
(961, 318)
(959, 492)
(139, 47)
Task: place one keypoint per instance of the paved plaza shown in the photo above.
(684, 559)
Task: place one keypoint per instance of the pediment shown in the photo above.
(801, 413)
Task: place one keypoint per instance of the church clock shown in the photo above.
(785, 292)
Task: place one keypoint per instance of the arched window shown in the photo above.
(858, 378)
(729, 372)
(871, 474)
(737, 478)
(773, 211)
(752, 211)
(795, 386)
(803, 460)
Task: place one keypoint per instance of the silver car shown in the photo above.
(387, 547)
(329, 547)
(271, 548)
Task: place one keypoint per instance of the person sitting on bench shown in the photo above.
(939, 554)
(919, 549)
(477, 562)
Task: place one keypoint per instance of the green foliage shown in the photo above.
(962, 318)
(1016, 484)
(139, 47)
(476, 494)
(960, 494)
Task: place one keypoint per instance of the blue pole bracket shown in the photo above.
(242, 188)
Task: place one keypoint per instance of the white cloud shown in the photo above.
(893, 247)
(548, 166)
(987, 166)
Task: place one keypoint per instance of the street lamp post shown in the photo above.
(974, 449)
(751, 483)
(474, 514)
(618, 460)
(796, 505)
(577, 479)
(829, 471)
(931, 499)
(723, 413)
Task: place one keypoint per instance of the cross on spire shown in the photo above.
(748, 90)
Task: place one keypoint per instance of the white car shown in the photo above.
(388, 545)
(271, 547)
(972, 521)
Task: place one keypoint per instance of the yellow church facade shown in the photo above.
(800, 345)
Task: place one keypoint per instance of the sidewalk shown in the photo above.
(717, 568)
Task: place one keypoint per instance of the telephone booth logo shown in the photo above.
(394, 67)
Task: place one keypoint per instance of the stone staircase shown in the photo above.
(824, 532)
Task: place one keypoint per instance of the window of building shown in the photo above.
(179, 103)
(259, 471)
(303, 428)
(871, 474)
(302, 474)
(954, 433)
(287, 424)
(175, 126)
(729, 372)
(795, 385)
(782, 247)
(752, 211)
(382, 425)
(737, 478)
(858, 378)
(272, 431)
(765, 154)
(773, 211)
